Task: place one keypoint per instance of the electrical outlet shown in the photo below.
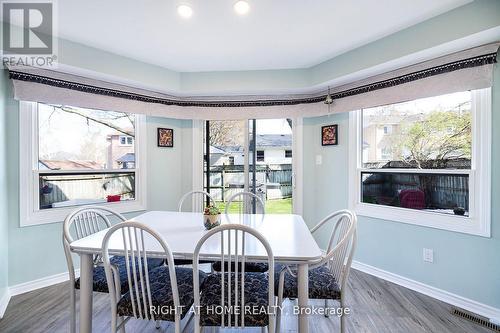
(319, 159)
(428, 255)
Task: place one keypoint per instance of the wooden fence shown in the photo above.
(274, 181)
(442, 191)
(59, 188)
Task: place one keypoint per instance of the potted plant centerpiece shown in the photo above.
(211, 217)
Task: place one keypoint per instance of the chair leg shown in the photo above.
(281, 286)
(114, 320)
(327, 314)
(72, 307)
(278, 316)
(342, 317)
(122, 328)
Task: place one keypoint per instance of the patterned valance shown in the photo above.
(465, 70)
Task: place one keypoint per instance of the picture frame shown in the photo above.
(165, 137)
(329, 135)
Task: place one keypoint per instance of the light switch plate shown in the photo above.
(319, 159)
(428, 255)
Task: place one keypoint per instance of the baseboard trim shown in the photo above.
(493, 314)
(4, 301)
(47, 281)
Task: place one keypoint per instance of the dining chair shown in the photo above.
(164, 293)
(199, 200)
(244, 201)
(328, 276)
(234, 289)
(84, 222)
(198, 203)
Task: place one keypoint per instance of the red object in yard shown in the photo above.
(114, 198)
(414, 199)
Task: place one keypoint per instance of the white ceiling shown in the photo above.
(276, 34)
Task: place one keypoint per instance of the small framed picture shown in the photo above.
(329, 135)
(165, 137)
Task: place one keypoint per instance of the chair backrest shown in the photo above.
(341, 245)
(130, 239)
(198, 202)
(233, 238)
(82, 222)
(244, 201)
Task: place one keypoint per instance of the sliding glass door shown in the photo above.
(250, 155)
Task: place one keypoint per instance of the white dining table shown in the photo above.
(287, 234)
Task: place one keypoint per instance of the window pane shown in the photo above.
(428, 133)
(260, 155)
(74, 138)
(82, 189)
(439, 193)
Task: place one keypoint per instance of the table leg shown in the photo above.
(86, 290)
(303, 296)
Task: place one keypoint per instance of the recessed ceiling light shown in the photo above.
(184, 11)
(241, 7)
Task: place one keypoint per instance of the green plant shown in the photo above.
(211, 210)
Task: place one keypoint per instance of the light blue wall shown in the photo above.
(463, 264)
(4, 267)
(169, 169)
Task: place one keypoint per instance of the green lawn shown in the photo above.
(277, 206)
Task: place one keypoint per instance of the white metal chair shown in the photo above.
(199, 200)
(245, 202)
(235, 290)
(153, 294)
(82, 222)
(327, 277)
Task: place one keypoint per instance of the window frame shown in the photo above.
(30, 214)
(126, 137)
(479, 220)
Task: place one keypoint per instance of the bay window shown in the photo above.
(425, 161)
(73, 156)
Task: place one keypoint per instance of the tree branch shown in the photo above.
(99, 121)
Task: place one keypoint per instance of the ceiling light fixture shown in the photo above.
(184, 11)
(241, 7)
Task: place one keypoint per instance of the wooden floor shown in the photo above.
(376, 306)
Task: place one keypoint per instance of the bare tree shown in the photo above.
(226, 133)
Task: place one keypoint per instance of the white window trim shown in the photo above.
(479, 221)
(30, 214)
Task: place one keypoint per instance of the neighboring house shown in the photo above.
(120, 151)
(68, 165)
(270, 149)
(218, 156)
(274, 149)
(381, 132)
(127, 161)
